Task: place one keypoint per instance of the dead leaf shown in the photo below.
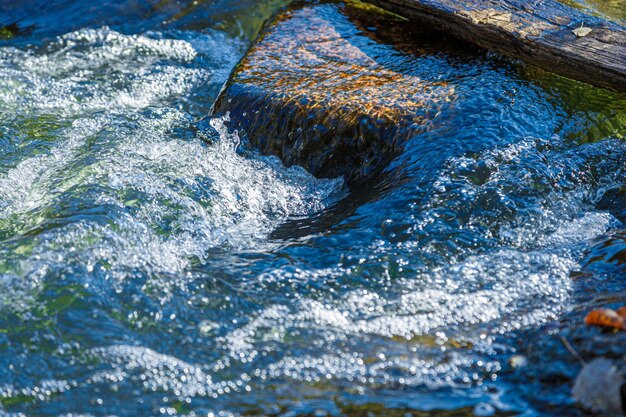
(605, 317)
(582, 31)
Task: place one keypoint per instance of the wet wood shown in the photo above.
(540, 32)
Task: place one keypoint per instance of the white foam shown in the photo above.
(117, 97)
(521, 282)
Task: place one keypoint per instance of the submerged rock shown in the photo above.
(336, 88)
(598, 387)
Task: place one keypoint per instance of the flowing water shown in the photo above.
(151, 264)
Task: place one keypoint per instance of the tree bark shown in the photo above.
(539, 32)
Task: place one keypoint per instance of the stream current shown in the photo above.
(152, 264)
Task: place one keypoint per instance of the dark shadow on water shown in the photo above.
(333, 218)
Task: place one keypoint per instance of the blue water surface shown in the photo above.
(151, 265)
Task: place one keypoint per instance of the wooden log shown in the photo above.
(540, 32)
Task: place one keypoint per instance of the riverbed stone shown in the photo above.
(335, 88)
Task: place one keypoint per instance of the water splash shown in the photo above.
(119, 190)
